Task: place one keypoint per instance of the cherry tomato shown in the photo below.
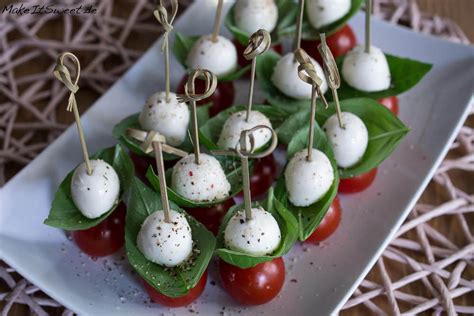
(141, 164)
(256, 285)
(184, 300)
(240, 53)
(340, 42)
(211, 217)
(328, 225)
(221, 99)
(390, 103)
(358, 183)
(264, 173)
(105, 238)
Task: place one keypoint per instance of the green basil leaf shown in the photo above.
(308, 217)
(209, 132)
(287, 11)
(172, 282)
(182, 46)
(288, 228)
(231, 166)
(385, 130)
(120, 133)
(264, 70)
(310, 33)
(406, 73)
(64, 213)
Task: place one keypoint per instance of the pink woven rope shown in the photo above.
(443, 266)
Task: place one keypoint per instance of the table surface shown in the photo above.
(459, 11)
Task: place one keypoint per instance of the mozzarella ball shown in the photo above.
(167, 244)
(220, 57)
(323, 12)
(95, 194)
(253, 15)
(348, 143)
(170, 119)
(308, 181)
(366, 71)
(236, 123)
(259, 236)
(285, 78)
(205, 182)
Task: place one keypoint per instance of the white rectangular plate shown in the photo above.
(325, 275)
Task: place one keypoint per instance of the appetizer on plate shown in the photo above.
(88, 201)
(168, 248)
(253, 237)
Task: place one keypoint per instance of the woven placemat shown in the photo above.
(428, 268)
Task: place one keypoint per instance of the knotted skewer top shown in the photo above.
(259, 43)
(190, 86)
(165, 19)
(147, 138)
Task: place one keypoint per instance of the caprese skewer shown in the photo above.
(88, 200)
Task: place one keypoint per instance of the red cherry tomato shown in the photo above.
(358, 183)
(105, 238)
(256, 285)
(340, 42)
(184, 300)
(390, 103)
(240, 53)
(328, 225)
(264, 173)
(221, 99)
(211, 217)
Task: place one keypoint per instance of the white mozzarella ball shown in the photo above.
(236, 123)
(97, 193)
(259, 236)
(167, 244)
(308, 181)
(366, 71)
(285, 78)
(220, 57)
(323, 12)
(348, 143)
(205, 182)
(170, 119)
(253, 15)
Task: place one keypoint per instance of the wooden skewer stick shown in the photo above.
(368, 12)
(161, 14)
(62, 74)
(332, 74)
(160, 167)
(259, 43)
(217, 21)
(307, 73)
(191, 95)
(299, 24)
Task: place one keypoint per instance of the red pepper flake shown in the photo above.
(190, 173)
(212, 186)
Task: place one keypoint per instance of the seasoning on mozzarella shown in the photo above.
(205, 182)
(220, 57)
(236, 123)
(97, 193)
(170, 119)
(167, 244)
(253, 15)
(285, 78)
(259, 236)
(349, 143)
(308, 181)
(366, 71)
(324, 12)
